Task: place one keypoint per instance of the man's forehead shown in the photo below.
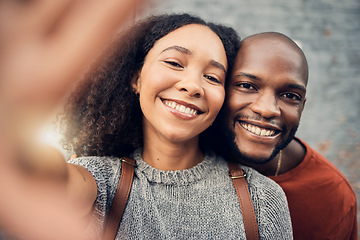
(260, 53)
(269, 36)
(267, 46)
(268, 54)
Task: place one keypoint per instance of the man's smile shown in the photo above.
(256, 130)
(259, 131)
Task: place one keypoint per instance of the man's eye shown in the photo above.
(246, 86)
(174, 64)
(292, 96)
(211, 78)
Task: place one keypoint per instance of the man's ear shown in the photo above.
(135, 83)
(304, 103)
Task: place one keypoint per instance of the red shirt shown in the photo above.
(321, 202)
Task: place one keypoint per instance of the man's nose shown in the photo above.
(266, 105)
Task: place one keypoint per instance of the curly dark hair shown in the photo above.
(103, 115)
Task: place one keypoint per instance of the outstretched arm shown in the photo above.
(44, 47)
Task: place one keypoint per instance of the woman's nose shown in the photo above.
(191, 84)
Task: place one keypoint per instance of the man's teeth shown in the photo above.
(258, 131)
(181, 108)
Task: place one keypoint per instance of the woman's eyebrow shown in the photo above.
(188, 52)
(218, 65)
(177, 48)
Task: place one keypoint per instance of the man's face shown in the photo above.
(265, 98)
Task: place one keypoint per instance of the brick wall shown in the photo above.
(329, 33)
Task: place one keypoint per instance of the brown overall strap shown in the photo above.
(120, 199)
(246, 205)
(123, 191)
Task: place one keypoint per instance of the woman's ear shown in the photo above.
(135, 83)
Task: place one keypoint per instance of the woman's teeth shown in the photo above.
(180, 108)
(258, 131)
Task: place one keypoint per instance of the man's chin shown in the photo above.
(257, 160)
(257, 155)
(260, 159)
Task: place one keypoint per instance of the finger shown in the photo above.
(53, 64)
(36, 17)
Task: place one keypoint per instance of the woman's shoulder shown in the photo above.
(270, 203)
(257, 178)
(98, 165)
(263, 187)
(253, 177)
(259, 184)
(106, 172)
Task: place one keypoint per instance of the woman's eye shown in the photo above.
(292, 96)
(211, 78)
(174, 64)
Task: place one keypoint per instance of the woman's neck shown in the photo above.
(168, 156)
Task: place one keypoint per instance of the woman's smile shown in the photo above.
(182, 109)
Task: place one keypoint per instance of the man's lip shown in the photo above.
(186, 104)
(259, 124)
(259, 132)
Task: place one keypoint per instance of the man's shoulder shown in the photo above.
(315, 160)
(316, 170)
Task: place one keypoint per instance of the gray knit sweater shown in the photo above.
(196, 203)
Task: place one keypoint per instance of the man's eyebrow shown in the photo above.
(177, 48)
(218, 65)
(242, 74)
(297, 86)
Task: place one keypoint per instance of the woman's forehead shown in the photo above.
(193, 37)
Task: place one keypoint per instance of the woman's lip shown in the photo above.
(180, 111)
(183, 103)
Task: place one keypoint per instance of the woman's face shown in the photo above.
(181, 84)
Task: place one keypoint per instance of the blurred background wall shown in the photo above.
(329, 34)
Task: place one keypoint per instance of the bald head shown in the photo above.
(266, 95)
(276, 45)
